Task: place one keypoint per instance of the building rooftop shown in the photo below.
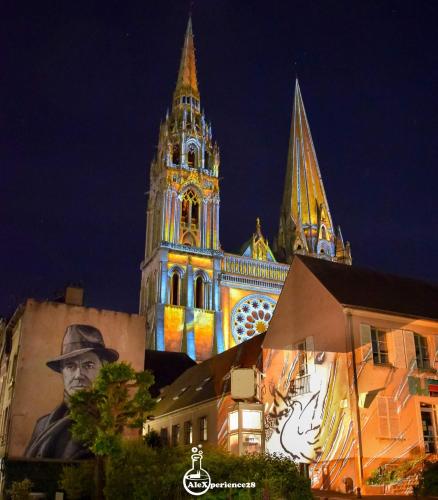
(367, 289)
(209, 380)
(166, 367)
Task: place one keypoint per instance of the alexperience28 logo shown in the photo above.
(196, 481)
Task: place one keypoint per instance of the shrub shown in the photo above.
(153, 439)
(429, 479)
(20, 490)
(142, 473)
(78, 480)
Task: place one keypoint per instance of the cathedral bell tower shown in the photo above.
(180, 292)
(306, 225)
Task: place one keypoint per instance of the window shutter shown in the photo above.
(382, 409)
(310, 351)
(397, 349)
(414, 386)
(394, 427)
(365, 342)
(411, 358)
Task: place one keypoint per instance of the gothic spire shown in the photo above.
(187, 82)
(305, 221)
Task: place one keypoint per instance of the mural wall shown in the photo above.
(307, 415)
(61, 349)
(344, 430)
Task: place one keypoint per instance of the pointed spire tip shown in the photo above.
(187, 80)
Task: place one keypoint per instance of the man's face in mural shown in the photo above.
(79, 372)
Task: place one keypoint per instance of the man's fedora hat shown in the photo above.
(79, 339)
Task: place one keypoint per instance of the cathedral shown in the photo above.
(196, 297)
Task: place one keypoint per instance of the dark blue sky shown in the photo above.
(83, 86)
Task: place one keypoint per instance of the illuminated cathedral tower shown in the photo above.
(180, 291)
(306, 225)
(197, 298)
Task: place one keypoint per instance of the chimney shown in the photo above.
(74, 295)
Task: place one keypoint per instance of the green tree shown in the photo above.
(118, 398)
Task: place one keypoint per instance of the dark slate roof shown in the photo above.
(367, 289)
(209, 379)
(166, 367)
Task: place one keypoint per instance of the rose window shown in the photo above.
(251, 316)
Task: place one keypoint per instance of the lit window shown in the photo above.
(188, 432)
(180, 393)
(421, 351)
(233, 420)
(202, 384)
(203, 429)
(380, 348)
(251, 419)
(251, 443)
(234, 443)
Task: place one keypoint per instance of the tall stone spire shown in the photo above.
(187, 83)
(180, 290)
(305, 222)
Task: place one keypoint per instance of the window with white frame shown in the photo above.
(421, 351)
(379, 346)
(188, 432)
(203, 429)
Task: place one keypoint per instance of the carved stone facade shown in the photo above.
(193, 294)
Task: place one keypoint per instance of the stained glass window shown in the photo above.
(251, 316)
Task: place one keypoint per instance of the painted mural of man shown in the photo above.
(83, 353)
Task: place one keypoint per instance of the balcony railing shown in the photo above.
(254, 268)
(300, 385)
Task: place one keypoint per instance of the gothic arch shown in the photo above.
(190, 215)
(193, 151)
(324, 247)
(201, 289)
(175, 275)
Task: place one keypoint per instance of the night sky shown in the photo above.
(84, 85)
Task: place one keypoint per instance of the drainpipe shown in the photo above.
(356, 395)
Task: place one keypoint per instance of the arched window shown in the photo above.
(323, 233)
(206, 159)
(195, 212)
(175, 154)
(174, 289)
(191, 156)
(199, 293)
(190, 210)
